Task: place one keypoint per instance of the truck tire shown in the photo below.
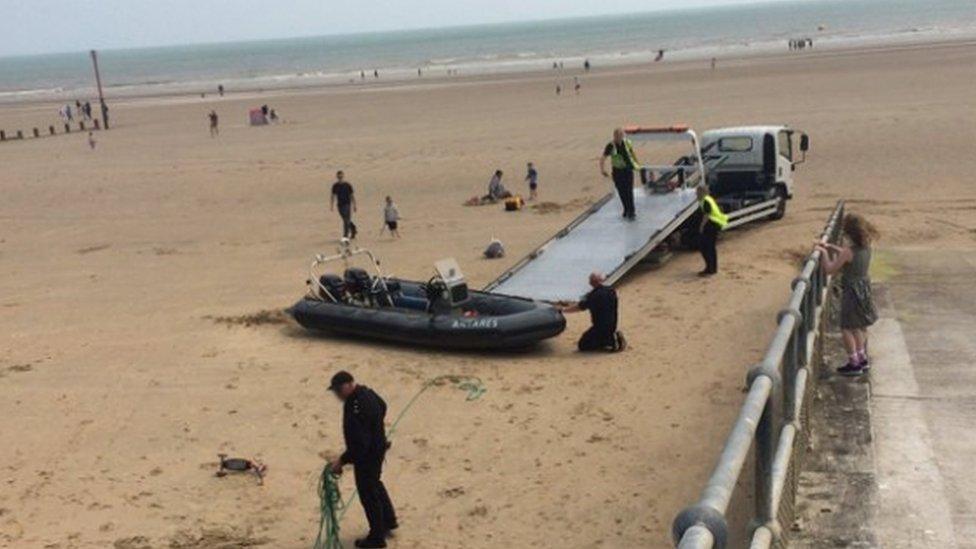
(781, 207)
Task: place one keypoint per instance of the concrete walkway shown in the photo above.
(909, 480)
(923, 402)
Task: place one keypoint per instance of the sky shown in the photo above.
(48, 26)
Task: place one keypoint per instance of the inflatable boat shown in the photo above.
(441, 312)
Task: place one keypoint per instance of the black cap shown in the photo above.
(341, 378)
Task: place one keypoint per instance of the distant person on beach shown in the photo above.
(362, 75)
(343, 197)
(364, 431)
(532, 177)
(220, 90)
(391, 218)
(104, 115)
(496, 190)
(713, 221)
(623, 162)
(67, 113)
(660, 55)
(214, 121)
(559, 89)
(87, 109)
(586, 65)
(273, 115)
(857, 312)
(91, 141)
(601, 301)
(576, 85)
(376, 73)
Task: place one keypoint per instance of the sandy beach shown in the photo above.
(129, 275)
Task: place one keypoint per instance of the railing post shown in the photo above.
(766, 439)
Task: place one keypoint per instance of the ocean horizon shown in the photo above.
(683, 34)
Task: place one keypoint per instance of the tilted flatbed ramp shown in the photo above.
(598, 240)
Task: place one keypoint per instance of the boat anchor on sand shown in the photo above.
(441, 312)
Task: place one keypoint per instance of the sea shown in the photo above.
(683, 34)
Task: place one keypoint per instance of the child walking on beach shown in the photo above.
(391, 218)
(857, 311)
(532, 176)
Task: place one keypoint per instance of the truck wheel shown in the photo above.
(781, 206)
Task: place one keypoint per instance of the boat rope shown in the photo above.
(331, 505)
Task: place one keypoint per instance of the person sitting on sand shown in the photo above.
(857, 311)
(601, 301)
(496, 190)
(391, 217)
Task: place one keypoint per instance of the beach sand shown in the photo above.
(120, 382)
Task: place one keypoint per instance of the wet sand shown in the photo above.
(130, 277)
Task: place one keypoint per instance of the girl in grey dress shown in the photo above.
(852, 260)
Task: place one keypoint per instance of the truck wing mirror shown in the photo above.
(804, 147)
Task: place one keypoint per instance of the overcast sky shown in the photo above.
(43, 26)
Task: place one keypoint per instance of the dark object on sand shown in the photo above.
(240, 465)
(439, 313)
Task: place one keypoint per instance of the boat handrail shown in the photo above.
(345, 252)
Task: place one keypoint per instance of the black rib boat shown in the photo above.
(438, 313)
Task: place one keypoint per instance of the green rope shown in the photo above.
(331, 506)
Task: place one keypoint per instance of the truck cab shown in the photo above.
(752, 165)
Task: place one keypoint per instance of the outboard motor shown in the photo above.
(358, 284)
(335, 286)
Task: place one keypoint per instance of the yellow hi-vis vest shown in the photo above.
(715, 214)
(621, 162)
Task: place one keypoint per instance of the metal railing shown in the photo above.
(772, 416)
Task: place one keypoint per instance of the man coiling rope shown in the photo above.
(366, 442)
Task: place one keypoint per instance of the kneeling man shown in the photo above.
(601, 301)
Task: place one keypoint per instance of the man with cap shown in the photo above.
(363, 415)
(601, 301)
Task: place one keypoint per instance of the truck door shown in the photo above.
(784, 160)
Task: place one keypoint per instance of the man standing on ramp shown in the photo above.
(623, 162)
(363, 413)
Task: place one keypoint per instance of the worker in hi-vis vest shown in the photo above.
(623, 162)
(712, 222)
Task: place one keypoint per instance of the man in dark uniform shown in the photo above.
(623, 162)
(363, 413)
(601, 301)
(342, 195)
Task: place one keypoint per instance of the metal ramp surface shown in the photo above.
(598, 240)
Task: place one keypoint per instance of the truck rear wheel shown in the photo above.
(781, 205)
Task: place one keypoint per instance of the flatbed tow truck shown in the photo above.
(748, 169)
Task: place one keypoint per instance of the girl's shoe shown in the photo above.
(850, 370)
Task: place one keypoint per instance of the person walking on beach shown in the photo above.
(214, 121)
(343, 197)
(391, 218)
(601, 301)
(91, 140)
(623, 162)
(713, 220)
(532, 177)
(363, 416)
(576, 84)
(857, 311)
